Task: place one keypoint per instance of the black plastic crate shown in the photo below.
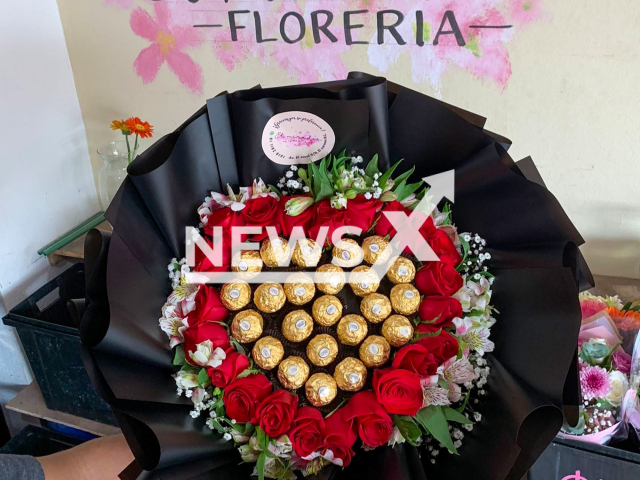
(38, 442)
(51, 341)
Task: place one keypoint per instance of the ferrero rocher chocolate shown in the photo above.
(274, 252)
(246, 326)
(374, 250)
(293, 372)
(321, 389)
(297, 326)
(405, 299)
(327, 310)
(299, 288)
(364, 280)
(267, 353)
(246, 264)
(348, 255)
(352, 329)
(269, 297)
(235, 295)
(374, 351)
(350, 374)
(322, 350)
(330, 278)
(398, 330)
(308, 255)
(375, 307)
(402, 271)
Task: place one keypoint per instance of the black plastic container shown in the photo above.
(38, 442)
(51, 341)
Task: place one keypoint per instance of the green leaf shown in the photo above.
(274, 190)
(263, 439)
(372, 167)
(322, 187)
(606, 361)
(627, 306)
(189, 368)
(260, 465)
(464, 404)
(203, 378)
(239, 348)
(244, 373)
(382, 181)
(178, 358)
(433, 420)
(442, 383)
(407, 190)
(302, 173)
(403, 177)
(408, 429)
(216, 425)
(455, 416)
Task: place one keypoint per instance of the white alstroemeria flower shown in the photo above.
(260, 189)
(174, 327)
(435, 396)
(250, 451)
(281, 447)
(462, 325)
(183, 293)
(239, 438)
(274, 468)
(457, 371)
(199, 395)
(478, 340)
(396, 437)
(186, 380)
(328, 455)
(464, 297)
(455, 394)
(410, 200)
(206, 356)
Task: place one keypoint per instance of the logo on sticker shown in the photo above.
(297, 138)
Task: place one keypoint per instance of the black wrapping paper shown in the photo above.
(534, 256)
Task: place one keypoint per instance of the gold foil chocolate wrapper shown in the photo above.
(299, 288)
(321, 389)
(350, 374)
(374, 351)
(327, 310)
(398, 330)
(308, 255)
(269, 297)
(374, 250)
(322, 350)
(330, 278)
(293, 372)
(352, 329)
(246, 264)
(364, 280)
(274, 252)
(405, 299)
(297, 326)
(267, 353)
(235, 295)
(348, 255)
(246, 326)
(375, 307)
(402, 271)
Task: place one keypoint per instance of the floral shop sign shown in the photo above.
(309, 39)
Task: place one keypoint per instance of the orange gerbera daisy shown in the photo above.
(625, 319)
(119, 125)
(138, 127)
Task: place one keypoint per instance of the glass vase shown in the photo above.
(113, 172)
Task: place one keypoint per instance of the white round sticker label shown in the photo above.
(234, 293)
(296, 137)
(274, 291)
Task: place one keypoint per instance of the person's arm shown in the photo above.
(99, 459)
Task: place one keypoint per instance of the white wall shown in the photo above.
(46, 182)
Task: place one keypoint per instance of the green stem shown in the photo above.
(126, 137)
(135, 149)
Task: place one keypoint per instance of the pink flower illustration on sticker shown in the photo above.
(168, 42)
(302, 139)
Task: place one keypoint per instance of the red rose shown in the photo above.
(374, 424)
(307, 432)
(399, 391)
(339, 436)
(208, 308)
(438, 278)
(445, 249)
(327, 216)
(383, 226)
(199, 333)
(442, 347)
(276, 413)
(231, 367)
(417, 359)
(243, 395)
(444, 309)
(226, 218)
(287, 222)
(203, 264)
(361, 212)
(263, 212)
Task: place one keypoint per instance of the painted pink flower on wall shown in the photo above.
(168, 40)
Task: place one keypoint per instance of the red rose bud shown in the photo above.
(440, 310)
(262, 212)
(398, 391)
(327, 216)
(276, 413)
(444, 248)
(374, 424)
(438, 278)
(203, 264)
(307, 431)
(417, 359)
(361, 212)
(231, 367)
(243, 395)
(196, 334)
(442, 347)
(225, 218)
(208, 307)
